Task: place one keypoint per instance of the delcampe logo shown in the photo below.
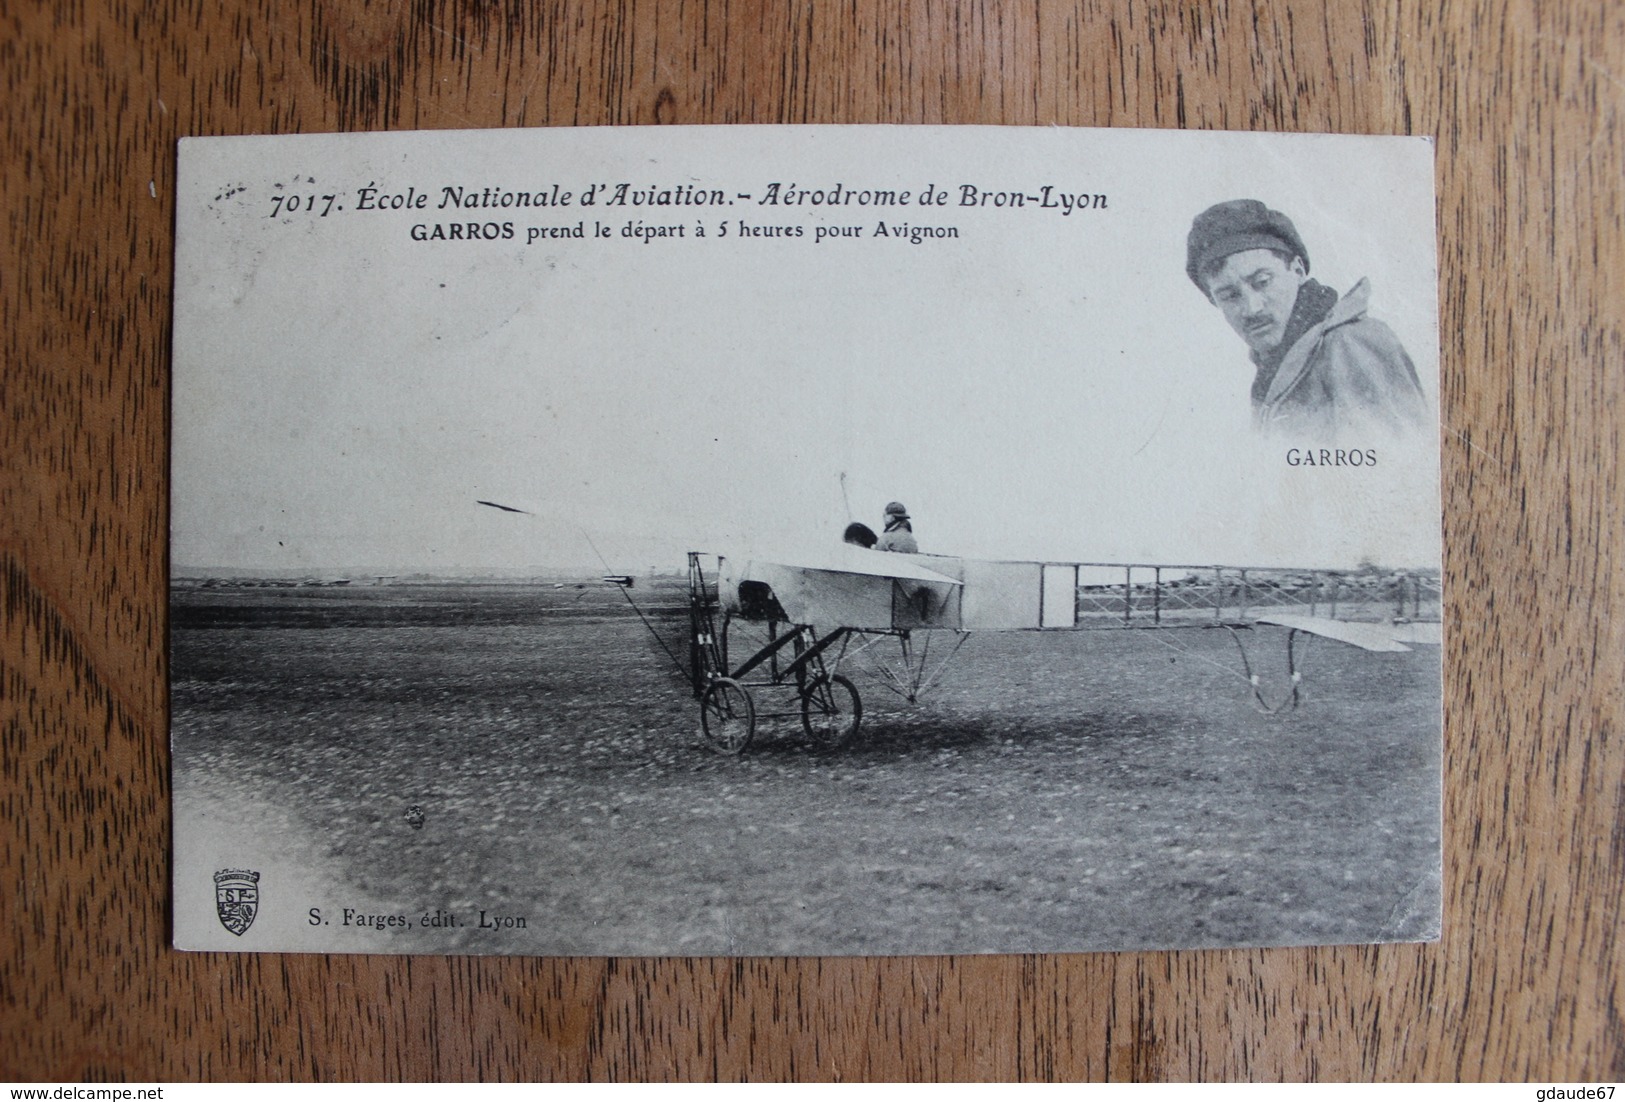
(236, 898)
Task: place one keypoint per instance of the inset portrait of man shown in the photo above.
(1325, 369)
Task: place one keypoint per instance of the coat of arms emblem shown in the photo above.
(236, 898)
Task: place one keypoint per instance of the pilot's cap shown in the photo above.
(895, 509)
(1235, 227)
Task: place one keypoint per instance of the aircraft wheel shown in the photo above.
(831, 712)
(727, 716)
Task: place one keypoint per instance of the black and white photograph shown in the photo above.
(765, 541)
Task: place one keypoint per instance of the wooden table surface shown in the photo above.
(1525, 101)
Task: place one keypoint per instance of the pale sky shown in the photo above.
(1041, 387)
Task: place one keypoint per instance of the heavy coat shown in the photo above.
(899, 536)
(1347, 377)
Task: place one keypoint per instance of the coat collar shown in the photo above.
(1295, 365)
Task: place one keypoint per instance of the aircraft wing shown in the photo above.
(1430, 632)
(1376, 637)
(846, 558)
(845, 586)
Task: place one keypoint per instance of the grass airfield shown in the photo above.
(1057, 791)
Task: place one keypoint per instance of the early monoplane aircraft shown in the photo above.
(814, 610)
(820, 610)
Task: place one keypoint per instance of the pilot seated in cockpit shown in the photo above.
(899, 534)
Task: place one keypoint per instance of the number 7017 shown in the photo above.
(293, 204)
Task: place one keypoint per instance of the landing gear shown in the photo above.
(727, 716)
(792, 656)
(831, 712)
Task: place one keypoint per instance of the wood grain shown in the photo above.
(1525, 101)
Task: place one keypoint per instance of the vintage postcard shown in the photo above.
(805, 541)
